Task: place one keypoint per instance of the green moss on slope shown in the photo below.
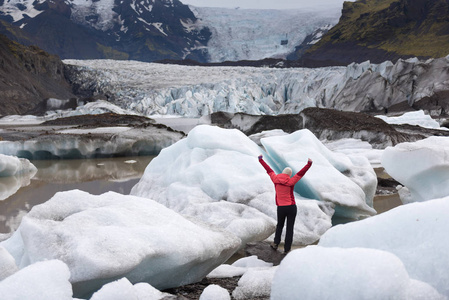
(405, 27)
(110, 53)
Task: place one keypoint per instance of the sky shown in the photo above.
(264, 4)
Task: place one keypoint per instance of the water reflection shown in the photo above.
(95, 176)
(10, 185)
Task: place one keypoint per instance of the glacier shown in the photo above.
(254, 34)
(195, 91)
(121, 236)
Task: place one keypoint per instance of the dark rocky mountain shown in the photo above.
(380, 30)
(28, 75)
(139, 30)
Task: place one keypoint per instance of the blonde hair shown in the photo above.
(287, 171)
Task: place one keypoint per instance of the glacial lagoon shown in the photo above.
(95, 176)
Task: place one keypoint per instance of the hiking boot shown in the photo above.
(274, 246)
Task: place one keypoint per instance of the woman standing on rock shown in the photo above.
(285, 201)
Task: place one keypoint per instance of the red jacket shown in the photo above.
(284, 185)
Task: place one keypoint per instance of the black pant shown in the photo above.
(283, 212)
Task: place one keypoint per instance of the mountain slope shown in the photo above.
(27, 76)
(379, 30)
(144, 30)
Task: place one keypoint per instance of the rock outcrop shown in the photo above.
(329, 124)
(29, 75)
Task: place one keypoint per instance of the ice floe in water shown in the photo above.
(415, 234)
(215, 292)
(14, 173)
(93, 143)
(214, 175)
(104, 238)
(7, 264)
(41, 281)
(422, 167)
(355, 273)
(124, 289)
(12, 166)
(413, 118)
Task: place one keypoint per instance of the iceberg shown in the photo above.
(214, 175)
(422, 167)
(356, 273)
(12, 166)
(7, 264)
(215, 292)
(416, 234)
(413, 118)
(14, 173)
(10, 185)
(124, 289)
(255, 283)
(239, 267)
(351, 146)
(348, 182)
(92, 143)
(41, 281)
(107, 237)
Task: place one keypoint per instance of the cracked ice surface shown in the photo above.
(194, 91)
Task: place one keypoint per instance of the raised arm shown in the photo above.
(264, 164)
(303, 171)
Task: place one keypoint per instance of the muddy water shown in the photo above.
(385, 202)
(96, 176)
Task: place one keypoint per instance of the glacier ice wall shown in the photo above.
(194, 91)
